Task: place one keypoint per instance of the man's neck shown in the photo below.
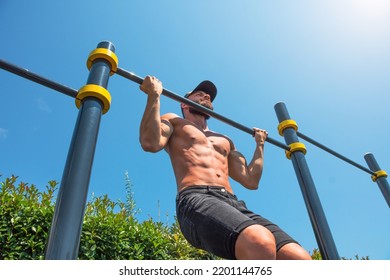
(198, 120)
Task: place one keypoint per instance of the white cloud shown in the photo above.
(3, 133)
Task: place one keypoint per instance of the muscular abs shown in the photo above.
(198, 157)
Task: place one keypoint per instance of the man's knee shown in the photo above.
(255, 242)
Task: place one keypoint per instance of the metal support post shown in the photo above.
(93, 100)
(318, 220)
(379, 177)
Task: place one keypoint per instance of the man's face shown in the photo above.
(201, 98)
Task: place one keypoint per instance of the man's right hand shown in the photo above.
(260, 135)
(151, 86)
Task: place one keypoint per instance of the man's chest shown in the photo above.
(192, 137)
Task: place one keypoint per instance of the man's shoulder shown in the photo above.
(173, 119)
(170, 116)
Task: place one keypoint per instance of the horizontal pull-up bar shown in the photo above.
(332, 152)
(27, 74)
(132, 77)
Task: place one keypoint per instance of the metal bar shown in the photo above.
(27, 74)
(381, 181)
(316, 213)
(132, 77)
(65, 232)
(319, 145)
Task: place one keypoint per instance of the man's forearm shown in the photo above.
(150, 129)
(255, 167)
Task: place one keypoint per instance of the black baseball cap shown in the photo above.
(207, 87)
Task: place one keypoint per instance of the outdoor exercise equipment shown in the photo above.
(93, 100)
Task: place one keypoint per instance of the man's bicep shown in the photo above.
(166, 132)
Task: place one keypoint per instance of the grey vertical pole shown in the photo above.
(380, 179)
(65, 232)
(318, 220)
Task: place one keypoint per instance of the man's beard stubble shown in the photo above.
(204, 103)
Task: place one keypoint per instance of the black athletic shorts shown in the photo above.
(211, 219)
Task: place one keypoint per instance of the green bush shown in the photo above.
(115, 235)
(316, 255)
(107, 233)
(26, 215)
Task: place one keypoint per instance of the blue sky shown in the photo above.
(328, 61)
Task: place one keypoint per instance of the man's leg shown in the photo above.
(292, 251)
(255, 243)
